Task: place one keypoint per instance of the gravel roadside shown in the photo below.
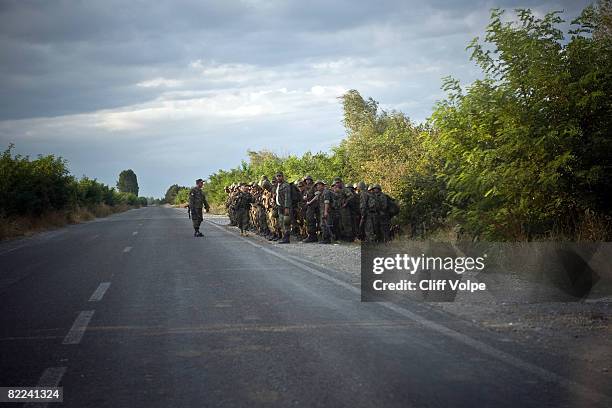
(582, 331)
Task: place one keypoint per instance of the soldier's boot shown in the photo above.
(285, 239)
(246, 233)
(197, 233)
(275, 237)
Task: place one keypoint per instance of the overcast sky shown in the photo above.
(178, 89)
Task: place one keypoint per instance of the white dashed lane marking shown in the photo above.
(135, 233)
(127, 249)
(99, 292)
(78, 328)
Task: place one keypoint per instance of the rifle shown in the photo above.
(329, 229)
(189, 212)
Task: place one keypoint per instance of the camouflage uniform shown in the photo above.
(272, 213)
(297, 221)
(377, 221)
(197, 201)
(283, 202)
(353, 207)
(326, 223)
(231, 205)
(241, 207)
(311, 213)
(344, 217)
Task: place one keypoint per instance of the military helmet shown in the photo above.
(319, 182)
(337, 180)
(308, 178)
(362, 186)
(373, 186)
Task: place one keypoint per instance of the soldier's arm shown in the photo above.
(204, 202)
(288, 193)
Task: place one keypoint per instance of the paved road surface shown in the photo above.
(132, 311)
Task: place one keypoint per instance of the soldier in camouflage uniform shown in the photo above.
(261, 226)
(197, 201)
(298, 224)
(242, 205)
(262, 215)
(272, 212)
(343, 197)
(353, 206)
(311, 210)
(377, 220)
(327, 213)
(284, 206)
(231, 204)
(252, 208)
(362, 193)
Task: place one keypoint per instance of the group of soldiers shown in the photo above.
(313, 211)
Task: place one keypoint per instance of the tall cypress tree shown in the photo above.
(128, 182)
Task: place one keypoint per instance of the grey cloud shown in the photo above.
(85, 63)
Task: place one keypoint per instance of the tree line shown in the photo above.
(523, 153)
(33, 188)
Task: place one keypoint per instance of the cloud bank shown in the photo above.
(178, 89)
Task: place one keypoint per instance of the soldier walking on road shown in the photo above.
(197, 201)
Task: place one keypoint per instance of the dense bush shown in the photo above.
(527, 150)
(171, 193)
(182, 196)
(32, 187)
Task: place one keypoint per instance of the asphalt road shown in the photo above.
(133, 311)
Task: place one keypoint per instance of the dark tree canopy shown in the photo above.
(128, 182)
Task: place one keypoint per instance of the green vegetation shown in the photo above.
(523, 153)
(176, 195)
(40, 193)
(182, 197)
(128, 182)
